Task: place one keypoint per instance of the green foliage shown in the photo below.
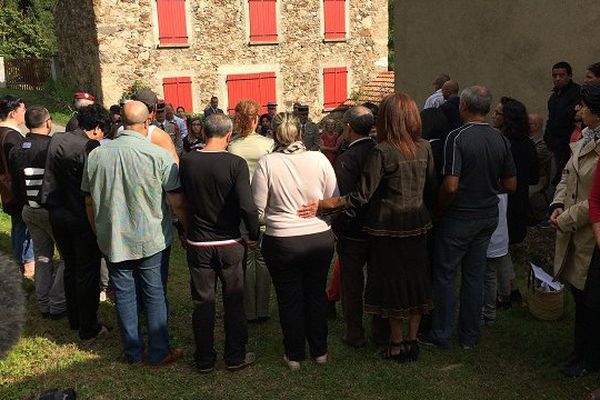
(27, 29)
(57, 97)
(134, 88)
(60, 92)
(391, 51)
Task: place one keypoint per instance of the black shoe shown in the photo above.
(516, 297)
(57, 316)
(331, 311)
(428, 340)
(569, 360)
(205, 369)
(503, 304)
(248, 360)
(576, 369)
(412, 350)
(354, 344)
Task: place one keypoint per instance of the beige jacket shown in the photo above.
(574, 239)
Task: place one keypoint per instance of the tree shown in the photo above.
(27, 28)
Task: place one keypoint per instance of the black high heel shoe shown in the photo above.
(412, 350)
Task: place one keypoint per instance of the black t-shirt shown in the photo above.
(480, 156)
(217, 187)
(67, 154)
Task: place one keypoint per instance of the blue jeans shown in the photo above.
(21, 240)
(459, 243)
(148, 271)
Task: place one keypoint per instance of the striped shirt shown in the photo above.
(27, 165)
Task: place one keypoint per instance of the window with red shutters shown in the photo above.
(263, 20)
(172, 29)
(178, 92)
(259, 87)
(335, 87)
(334, 12)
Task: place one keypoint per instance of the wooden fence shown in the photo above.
(28, 73)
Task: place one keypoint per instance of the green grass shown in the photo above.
(61, 112)
(515, 360)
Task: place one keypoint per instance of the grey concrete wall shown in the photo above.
(508, 45)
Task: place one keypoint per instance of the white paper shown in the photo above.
(543, 277)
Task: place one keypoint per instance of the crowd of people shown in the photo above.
(409, 196)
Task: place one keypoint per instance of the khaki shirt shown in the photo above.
(127, 179)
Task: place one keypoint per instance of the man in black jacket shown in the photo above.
(561, 115)
(61, 194)
(27, 164)
(353, 243)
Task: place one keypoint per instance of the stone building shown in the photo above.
(317, 52)
(509, 46)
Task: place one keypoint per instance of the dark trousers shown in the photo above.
(353, 255)
(561, 157)
(77, 244)
(299, 267)
(592, 305)
(207, 264)
(586, 344)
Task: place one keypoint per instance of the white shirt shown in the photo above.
(498, 246)
(435, 100)
(282, 183)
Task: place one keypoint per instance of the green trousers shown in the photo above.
(257, 288)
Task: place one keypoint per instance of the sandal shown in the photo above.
(387, 354)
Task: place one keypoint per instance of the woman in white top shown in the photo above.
(297, 251)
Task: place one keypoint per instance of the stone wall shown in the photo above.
(509, 46)
(127, 39)
(78, 42)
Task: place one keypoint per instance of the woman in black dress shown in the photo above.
(397, 182)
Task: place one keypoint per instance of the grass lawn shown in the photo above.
(61, 113)
(515, 360)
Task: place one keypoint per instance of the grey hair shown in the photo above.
(217, 125)
(360, 119)
(80, 103)
(477, 99)
(285, 129)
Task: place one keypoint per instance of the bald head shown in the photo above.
(135, 114)
(360, 120)
(536, 125)
(450, 88)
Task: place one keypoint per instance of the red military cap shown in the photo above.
(83, 95)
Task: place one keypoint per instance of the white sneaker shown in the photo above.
(324, 359)
(293, 365)
(103, 296)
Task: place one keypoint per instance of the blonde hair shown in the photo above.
(285, 129)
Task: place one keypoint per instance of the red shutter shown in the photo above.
(259, 87)
(178, 91)
(263, 20)
(335, 19)
(335, 87)
(172, 27)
